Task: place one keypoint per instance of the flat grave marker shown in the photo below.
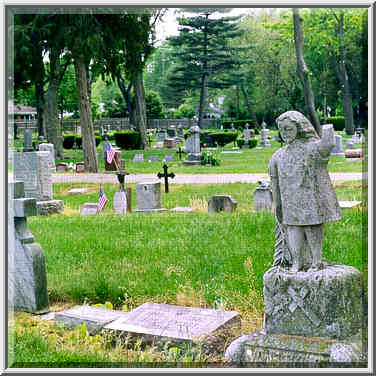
(173, 323)
(138, 158)
(153, 158)
(77, 191)
(168, 158)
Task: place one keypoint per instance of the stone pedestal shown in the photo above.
(324, 303)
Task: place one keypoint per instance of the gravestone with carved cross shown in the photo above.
(166, 175)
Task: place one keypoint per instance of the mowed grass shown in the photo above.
(214, 260)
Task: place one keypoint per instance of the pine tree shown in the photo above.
(204, 59)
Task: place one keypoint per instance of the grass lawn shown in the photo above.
(250, 161)
(191, 259)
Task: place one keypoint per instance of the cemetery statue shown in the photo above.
(303, 195)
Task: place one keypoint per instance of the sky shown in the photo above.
(169, 26)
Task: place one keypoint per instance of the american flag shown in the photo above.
(110, 155)
(102, 200)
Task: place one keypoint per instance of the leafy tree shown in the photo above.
(154, 109)
(204, 58)
(67, 93)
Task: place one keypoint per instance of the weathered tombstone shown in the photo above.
(313, 308)
(247, 136)
(80, 167)
(220, 203)
(192, 146)
(264, 141)
(51, 150)
(149, 197)
(169, 143)
(28, 143)
(94, 318)
(161, 323)
(138, 158)
(153, 158)
(27, 272)
(33, 169)
(161, 136)
(168, 158)
(89, 208)
(349, 144)
(62, 167)
(262, 197)
(337, 150)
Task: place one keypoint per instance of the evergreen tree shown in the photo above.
(205, 58)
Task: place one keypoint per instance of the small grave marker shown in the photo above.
(77, 191)
(138, 158)
(153, 158)
(89, 208)
(168, 158)
(80, 167)
(166, 175)
(166, 322)
(62, 167)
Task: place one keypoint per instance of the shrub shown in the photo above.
(240, 142)
(337, 121)
(209, 158)
(252, 143)
(128, 139)
(68, 141)
(223, 138)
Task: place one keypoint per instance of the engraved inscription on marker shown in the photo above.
(173, 322)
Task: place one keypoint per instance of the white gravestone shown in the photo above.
(120, 202)
(51, 149)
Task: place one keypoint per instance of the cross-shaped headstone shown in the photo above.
(180, 152)
(166, 175)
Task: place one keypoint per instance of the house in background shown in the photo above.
(21, 112)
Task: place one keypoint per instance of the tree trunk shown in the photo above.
(139, 93)
(86, 120)
(341, 73)
(304, 73)
(127, 97)
(202, 99)
(40, 105)
(251, 113)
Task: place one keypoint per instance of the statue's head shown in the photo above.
(294, 125)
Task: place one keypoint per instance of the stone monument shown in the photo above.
(50, 148)
(314, 309)
(34, 169)
(337, 150)
(27, 268)
(149, 197)
(247, 136)
(220, 203)
(262, 197)
(192, 146)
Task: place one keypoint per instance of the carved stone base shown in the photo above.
(262, 350)
(49, 207)
(325, 303)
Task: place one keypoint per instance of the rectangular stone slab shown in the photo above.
(164, 321)
(94, 318)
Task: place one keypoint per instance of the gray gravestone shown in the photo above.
(247, 136)
(262, 197)
(149, 197)
(94, 318)
(161, 136)
(337, 150)
(168, 158)
(164, 322)
(89, 208)
(28, 143)
(62, 167)
(220, 203)
(34, 170)
(264, 142)
(138, 158)
(349, 144)
(153, 158)
(27, 277)
(193, 147)
(50, 148)
(120, 202)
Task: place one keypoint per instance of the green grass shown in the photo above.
(250, 161)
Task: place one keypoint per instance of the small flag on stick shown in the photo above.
(110, 155)
(102, 200)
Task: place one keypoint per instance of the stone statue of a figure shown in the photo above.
(303, 195)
